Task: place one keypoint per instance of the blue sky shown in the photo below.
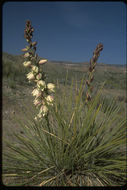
(67, 31)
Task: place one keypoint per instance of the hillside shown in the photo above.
(114, 75)
(19, 58)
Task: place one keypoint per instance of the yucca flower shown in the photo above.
(51, 87)
(36, 92)
(26, 55)
(30, 76)
(39, 76)
(42, 61)
(49, 100)
(43, 110)
(35, 69)
(25, 49)
(34, 43)
(36, 102)
(27, 63)
(39, 115)
(28, 40)
(41, 84)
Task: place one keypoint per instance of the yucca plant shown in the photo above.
(77, 143)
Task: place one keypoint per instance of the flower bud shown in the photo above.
(33, 58)
(42, 61)
(34, 43)
(27, 63)
(43, 110)
(38, 77)
(41, 84)
(26, 55)
(30, 76)
(28, 40)
(49, 100)
(36, 92)
(39, 115)
(35, 69)
(32, 29)
(37, 102)
(51, 87)
(24, 49)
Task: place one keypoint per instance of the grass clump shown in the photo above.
(76, 143)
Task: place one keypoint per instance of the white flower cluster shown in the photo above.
(42, 91)
(42, 99)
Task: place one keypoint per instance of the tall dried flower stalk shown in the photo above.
(41, 91)
(93, 62)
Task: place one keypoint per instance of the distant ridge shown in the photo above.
(12, 58)
(19, 58)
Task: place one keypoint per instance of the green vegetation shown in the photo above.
(77, 147)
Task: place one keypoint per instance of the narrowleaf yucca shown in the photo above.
(77, 144)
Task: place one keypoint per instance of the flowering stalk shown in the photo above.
(41, 91)
(93, 62)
